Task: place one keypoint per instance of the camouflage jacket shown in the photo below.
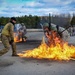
(8, 30)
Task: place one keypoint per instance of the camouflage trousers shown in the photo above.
(5, 40)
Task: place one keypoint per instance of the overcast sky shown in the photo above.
(9, 8)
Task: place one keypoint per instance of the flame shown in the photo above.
(16, 37)
(59, 51)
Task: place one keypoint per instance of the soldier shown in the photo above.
(22, 32)
(7, 37)
(51, 36)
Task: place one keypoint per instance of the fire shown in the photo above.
(59, 51)
(16, 37)
(56, 53)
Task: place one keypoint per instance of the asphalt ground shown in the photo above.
(29, 66)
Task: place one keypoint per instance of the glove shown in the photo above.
(11, 41)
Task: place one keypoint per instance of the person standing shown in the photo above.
(7, 37)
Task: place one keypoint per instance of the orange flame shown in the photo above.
(16, 37)
(56, 52)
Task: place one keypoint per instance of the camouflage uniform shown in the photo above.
(49, 35)
(6, 36)
(22, 32)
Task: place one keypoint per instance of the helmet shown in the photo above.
(46, 25)
(22, 24)
(13, 18)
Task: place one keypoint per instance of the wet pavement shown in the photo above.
(28, 66)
